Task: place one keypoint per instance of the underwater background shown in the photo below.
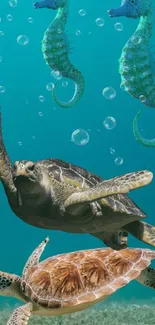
(35, 128)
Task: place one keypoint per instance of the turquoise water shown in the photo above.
(24, 75)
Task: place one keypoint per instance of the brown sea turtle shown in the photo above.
(54, 194)
(71, 282)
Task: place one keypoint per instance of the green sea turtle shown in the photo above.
(74, 281)
(57, 195)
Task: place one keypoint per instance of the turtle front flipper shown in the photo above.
(21, 315)
(116, 240)
(142, 231)
(117, 185)
(6, 172)
(34, 257)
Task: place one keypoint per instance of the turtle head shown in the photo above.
(132, 9)
(8, 283)
(29, 178)
(24, 169)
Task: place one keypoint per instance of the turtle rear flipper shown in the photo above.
(21, 315)
(116, 240)
(142, 231)
(117, 185)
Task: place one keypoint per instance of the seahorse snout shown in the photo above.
(116, 12)
(121, 11)
(50, 4)
(131, 9)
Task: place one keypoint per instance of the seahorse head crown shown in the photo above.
(132, 8)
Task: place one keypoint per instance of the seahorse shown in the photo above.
(55, 49)
(135, 63)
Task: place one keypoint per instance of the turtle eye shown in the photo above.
(132, 1)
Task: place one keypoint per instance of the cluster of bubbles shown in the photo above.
(80, 137)
(20, 143)
(118, 160)
(21, 39)
(100, 22)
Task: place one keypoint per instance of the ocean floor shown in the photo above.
(139, 313)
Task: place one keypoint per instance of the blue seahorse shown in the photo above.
(55, 49)
(135, 63)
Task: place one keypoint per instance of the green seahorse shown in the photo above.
(135, 63)
(55, 50)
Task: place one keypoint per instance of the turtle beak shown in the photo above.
(20, 172)
(23, 174)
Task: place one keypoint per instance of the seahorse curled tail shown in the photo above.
(145, 142)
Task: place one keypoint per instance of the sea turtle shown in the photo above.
(54, 194)
(68, 283)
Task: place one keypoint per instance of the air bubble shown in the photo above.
(2, 90)
(9, 17)
(109, 93)
(82, 12)
(80, 137)
(22, 40)
(41, 98)
(100, 22)
(50, 86)
(78, 32)
(118, 161)
(118, 27)
(13, 3)
(109, 123)
(30, 20)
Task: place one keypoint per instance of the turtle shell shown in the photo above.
(80, 178)
(83, 277)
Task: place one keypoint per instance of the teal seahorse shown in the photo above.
(135, 63)
(55, 49)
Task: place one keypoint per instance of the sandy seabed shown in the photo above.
(139, 313)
